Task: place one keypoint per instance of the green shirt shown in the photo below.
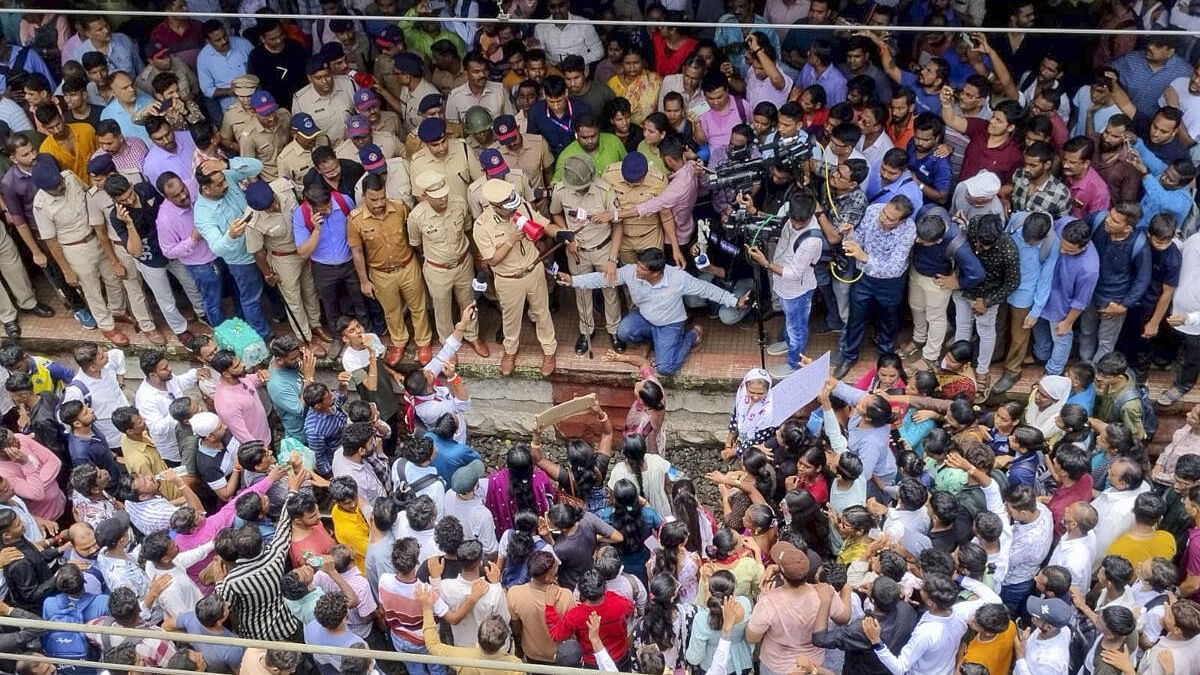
(653, 158)
(610, 151)
(419, 41)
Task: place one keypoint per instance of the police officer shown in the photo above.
(571, 206)
(367, 103)
(505, 234)
(635, 182)
(239, 114)
(445, 155)
(327, 98)
(527, 152)
(396, 180)
(494, 167)
(477, 126)
(360, 133)
(295, 160)
(269, 236)
(388, 269)
(432, 106)
(410, 73)
(264, 137)
(437, 226)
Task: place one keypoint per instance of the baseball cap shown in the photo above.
(1053, 611)
(263, 102)
(792, 562)
(634, 167)
(46, 174)
(101, 164)
(408, 63)
(389, 36)
(465, 478)
(244, 85)
(364, 100)
(432, 184)
(431, 129)
(505, 128)
(259, 197)
(493, 163)
(357, 126)
(568, 654)
(430, 102)
(303, 124)
(110, 531)
(372, 158)
(159, 51)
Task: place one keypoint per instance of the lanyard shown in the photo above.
(565, 127)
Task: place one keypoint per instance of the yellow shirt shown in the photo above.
(75, 159)
(350, 529)
(142, 457)
(1136, 550)
(996, 654)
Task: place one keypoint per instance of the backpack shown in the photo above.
(306, 208)
(85, 394)
(238, 337)
(811, 233)
(17, 68)
(1149, 416)
(953, 247)
(417, 485)
(65, 644)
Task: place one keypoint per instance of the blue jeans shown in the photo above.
(795, 324)
(1013, 596)
(671, 342)
(833, 317)
(1051, 348)
(250, 287)
(878, 298)
(209, 280)
(413, 668)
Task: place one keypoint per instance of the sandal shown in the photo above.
(910, 350)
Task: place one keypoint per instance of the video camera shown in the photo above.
(742, 171)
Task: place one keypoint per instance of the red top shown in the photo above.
(668, 62)
(819, 489)
(1081, 491)
(614, 611)
(1002, 161)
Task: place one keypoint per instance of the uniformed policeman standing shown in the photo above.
(494, 167)
(388, 269)
(295, 160)
(527, 152)
(477, 127)
(437, 226)
(634, 184)
(505, 234)
(360, 133)
(410, 73)
(446, 156)
(327, 98)
(267, 134)
(394, 171)
(367, 103)
(571, 206)
(270, 238)
(240, 113)
(390, 41)
(432, 106)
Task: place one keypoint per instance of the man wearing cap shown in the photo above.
(410, 76)
(784, 617)
(636, 182)
(163, 61)
(1048, 648)
(100, 209)
(678, 198)
(367, 103)
(128, 154)
(267, 135)
(477, 125)
(319, 226)
(82, 250)
(500, 234)
(171, 150)
(327, 98)
(449, 157)
(222, 59)
(394, 171)
(603, 149)
(70, 144)
(527, 152)
(387, 267)
(437, 227)
(269, 237)
(477, 91)
(359, 134)
(390, 42)
(277, 62)
(430, 107)
(295, 159)
(574, 201)
(219, 212)
(977, 196)
(495, 167)
(239, 114)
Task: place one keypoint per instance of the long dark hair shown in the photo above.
(724, 542)
(671, 536)
(721, 585)
(633, 447)
(658, 623)
(808, 522)
(587, 466)
(627, 515)
(686, 509)
(520, 538)
(756, 463)
(520, 478)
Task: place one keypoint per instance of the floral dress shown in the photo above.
(641, 92)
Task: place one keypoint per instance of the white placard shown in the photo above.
(798, 389)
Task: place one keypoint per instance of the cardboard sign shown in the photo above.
(553, 415)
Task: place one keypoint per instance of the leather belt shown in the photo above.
(522, 275)
(91, 236)
(393, 268)
(440, 266)
(283, 254)
(597, 247)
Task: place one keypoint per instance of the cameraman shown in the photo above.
(793, 277)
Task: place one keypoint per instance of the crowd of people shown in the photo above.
(369, 182)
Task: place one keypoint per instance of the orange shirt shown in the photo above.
(996, 655)
(75, 159)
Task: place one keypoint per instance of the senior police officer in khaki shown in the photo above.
(295, 160)
(83, 252)
(387, 266)
(267, 135)
(438, 227)
(445, 155)
(269, 237)
(571, 206)
(505, 234)
(239, 114)
(494, 167)
(634, 185)
(327, 98)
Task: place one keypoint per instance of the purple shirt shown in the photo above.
(758, 90)
(1075, 278)
(239, 406)
(207, 531)
(159, 161)
(501, 503)
(718, 127)
(831, 80)
(175, 226)
(18, 191)
(680, 197)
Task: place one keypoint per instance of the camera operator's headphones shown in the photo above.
(844, 268)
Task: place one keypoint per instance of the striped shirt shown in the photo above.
(324, 432)
(252, 589)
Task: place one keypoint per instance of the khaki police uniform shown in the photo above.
(638, 232)
(100, 205)
(12, 269)
(533, 158)
(397, 185)
(389, 122)
(412, 143)
(458, 168)
(385, 74)
(516, 284)
(410, 99)
(388, 144)
(493, 98)
(442, 238)
(392, 267)
(329, 112)
(595, 243)
(515, 177)
(295, 162)
(232, 122)
(270, 232)
(255, 140)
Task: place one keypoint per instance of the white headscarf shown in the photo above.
(752, 416)
(1058, 388)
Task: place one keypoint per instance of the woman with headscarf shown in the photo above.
(1045, 402)
(750, 423)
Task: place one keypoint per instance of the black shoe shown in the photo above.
(842, 368)
(42, 310)
(13, 329)
(618, 344)
(500, 335)
(582, 345)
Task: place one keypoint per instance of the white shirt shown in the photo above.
(573, 38)
(1030, 544)
(6, 402)
(1076, 555)
(412, 473)
(476, 519)
(911, 528)
(154, 404)
(797, 260)
(441, 401)
(369, 487)
(1046, 657)
(930, 650)
(455, 591)
(875, 151)
(1114, 509)
(1189, 103)
(105, 393)
(425, 537)
(1150, 620)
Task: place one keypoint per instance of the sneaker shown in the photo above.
(1006, 382)
(85, 319)
(777, 348)
(780, 371)
(1170, 396)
